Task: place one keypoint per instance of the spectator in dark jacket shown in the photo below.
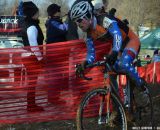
(72, 33)
(56, 29)
(32, 36)
(156, 56)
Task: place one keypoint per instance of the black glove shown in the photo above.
(84, 64)
(80, 68)
(111, 59)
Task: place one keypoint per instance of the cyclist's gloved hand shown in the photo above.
(111, 59)
(80, 68)
(84, 64)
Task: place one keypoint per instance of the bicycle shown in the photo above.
(102, 108)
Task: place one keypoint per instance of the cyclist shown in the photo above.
(125, 46)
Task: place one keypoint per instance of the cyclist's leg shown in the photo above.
(125, 65)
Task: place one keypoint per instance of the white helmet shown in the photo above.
(81, 9)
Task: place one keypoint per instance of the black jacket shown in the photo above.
(54, 31)
(30, 22)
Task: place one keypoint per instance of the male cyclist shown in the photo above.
(125, 46)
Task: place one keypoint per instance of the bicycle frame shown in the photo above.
(129, 95)
(108, 84)
(108, 72)
(128, 87)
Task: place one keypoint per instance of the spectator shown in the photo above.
(112, 12)
(72, 33)
(56, 29)
(99, 12)
(32, 36)
(156, 56)
(99, 9)
(148, 59)
(125, 21)
(138, 62)
(18, 9)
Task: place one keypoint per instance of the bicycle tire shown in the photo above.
(85, 101)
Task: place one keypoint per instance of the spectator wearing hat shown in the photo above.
(56, 29)
(72, 33)
(156, 56)
(32, 36)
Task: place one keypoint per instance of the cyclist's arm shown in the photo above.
(115, 32)
(90, 50)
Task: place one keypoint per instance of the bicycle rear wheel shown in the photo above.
(94, 113)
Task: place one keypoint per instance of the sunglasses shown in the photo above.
(79, 20)
(87, 17)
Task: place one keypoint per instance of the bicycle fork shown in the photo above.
(130, 98)
(104, 118)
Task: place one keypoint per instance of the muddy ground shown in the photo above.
(71, 125)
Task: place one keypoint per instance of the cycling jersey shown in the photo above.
(111, 29)
(98, 31)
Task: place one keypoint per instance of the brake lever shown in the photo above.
(81, 73)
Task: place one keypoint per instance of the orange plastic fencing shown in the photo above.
(32, 91)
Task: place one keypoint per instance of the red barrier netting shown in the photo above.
(150, 72)
(32, 91)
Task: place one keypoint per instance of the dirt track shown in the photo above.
(70, 125)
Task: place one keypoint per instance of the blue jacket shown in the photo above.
(56, 30)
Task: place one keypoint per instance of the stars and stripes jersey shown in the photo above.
(113, 28)
(110, 30)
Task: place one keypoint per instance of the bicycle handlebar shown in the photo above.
(98, 63)
(81, 74)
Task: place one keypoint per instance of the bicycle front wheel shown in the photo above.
(101, 110)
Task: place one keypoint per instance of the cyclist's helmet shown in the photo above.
(81, 9)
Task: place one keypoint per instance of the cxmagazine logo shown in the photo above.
(145, 128)
(8, 21)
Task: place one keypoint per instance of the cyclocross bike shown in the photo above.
(102, 108)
